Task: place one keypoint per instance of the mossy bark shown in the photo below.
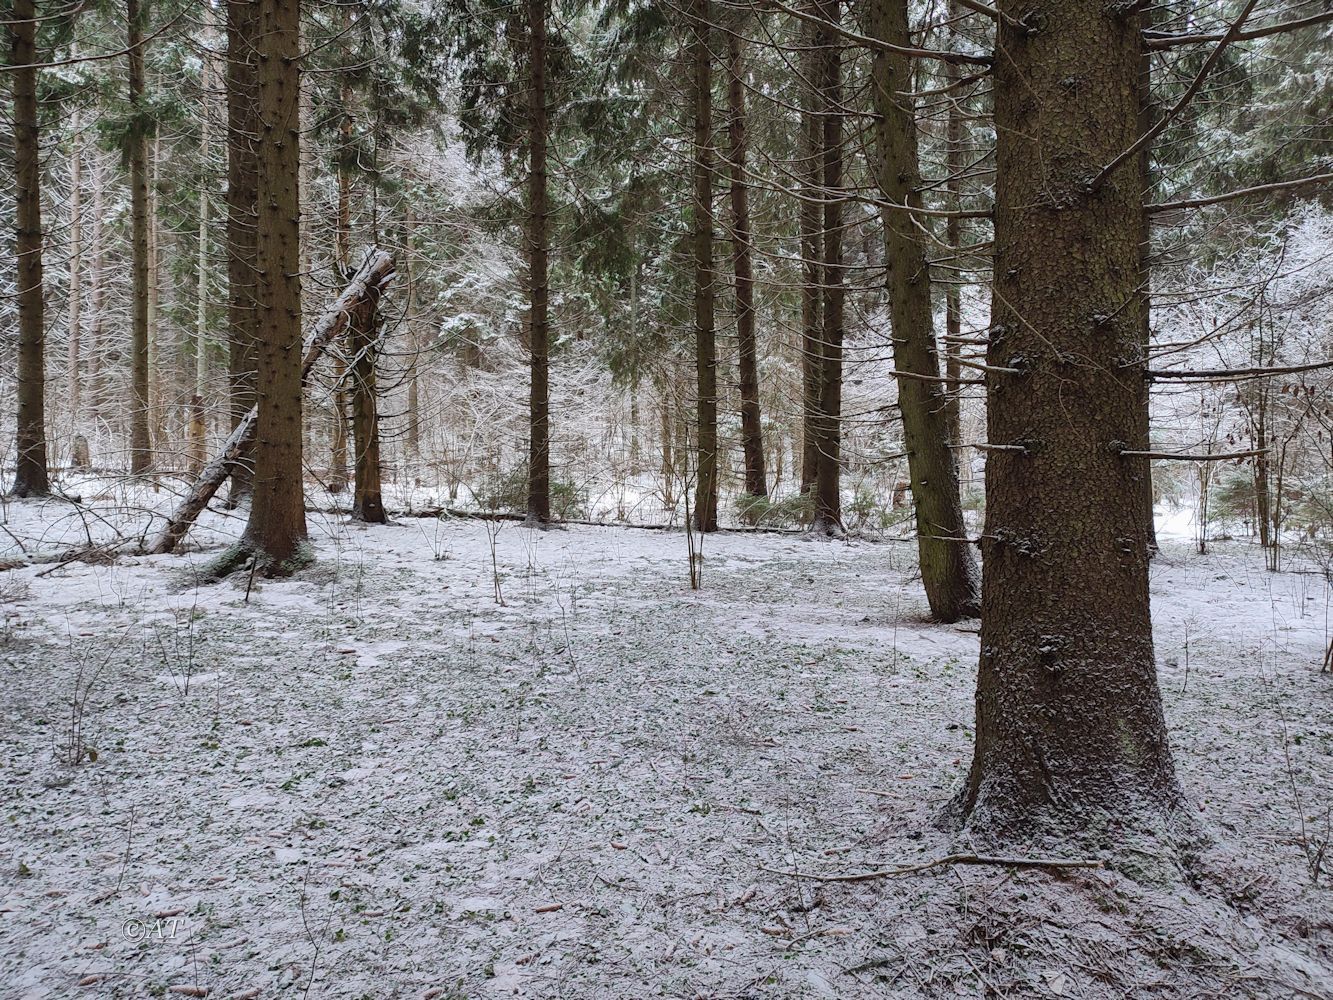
(948, 569)
(1070, 736)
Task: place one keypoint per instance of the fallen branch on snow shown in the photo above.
(952, 859)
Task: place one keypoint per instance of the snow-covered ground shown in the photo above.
(426, 767)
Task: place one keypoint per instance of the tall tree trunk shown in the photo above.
(363, 331)
(243, 129)
(31, 478)
(276, 531)
(705, 277)
(414, 341)
(948, 570)
(1142, 440)
(197, 426)
(539, 328)
(342, 255)
(828, 473)
(812, 256)
(953, 237)
(157, 378)
(1070, 737)
(752, 431)
(74, 344)
(141, 445)
(96, 290)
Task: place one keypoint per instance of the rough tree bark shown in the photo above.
(705, 277)
(1070, 737)
(342, 259)
(242, 233)
(955, 132)
(948, 570)
(539, 321)
(363, 333)
(275, 535)
(812, 256)
(828, 473)
(370, 280)
(752, 426)
(1148, 113)
(31, 477)
(141, 442)
(74, 344)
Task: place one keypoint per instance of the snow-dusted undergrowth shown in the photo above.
(375, 780)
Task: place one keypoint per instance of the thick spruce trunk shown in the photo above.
(539, 321)
(948, 570)
(276, 532)
(1070, 737)
(752, 426)
(141, 441)
(243, 129)
(31, 477)
(828, 435)
(705, 276)
(1147, 119)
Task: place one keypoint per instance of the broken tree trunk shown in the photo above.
(370, 280)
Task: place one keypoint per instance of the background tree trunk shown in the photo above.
(1070, 737)
(342, 258)
(828, 485)
(539, 324)
(705, 278)
(948, 570)
(363, 332)
(242, 234)
(31, 477)
(1147, 119)
(812, 256)
(276, 531)
(74, 342)
(752, 425)
(141, 444)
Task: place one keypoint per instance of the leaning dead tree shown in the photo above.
(367, 285)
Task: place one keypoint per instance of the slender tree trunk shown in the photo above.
(157, 380)
(812, 256)
(948, 570)
(1070, 739)
(752, 432)
(414, 342)
(539, 328)
(141, 446)
(828, 473)
(705, 277)
(96, 290)
(31, 477)
(342, 240)
(197, 426)
(363, 330)
(953, 237)
(276, 532)
(243, 129)
(74, 345)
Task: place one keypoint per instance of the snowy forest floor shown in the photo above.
(376, 780)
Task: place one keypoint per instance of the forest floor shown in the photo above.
(392, 776)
